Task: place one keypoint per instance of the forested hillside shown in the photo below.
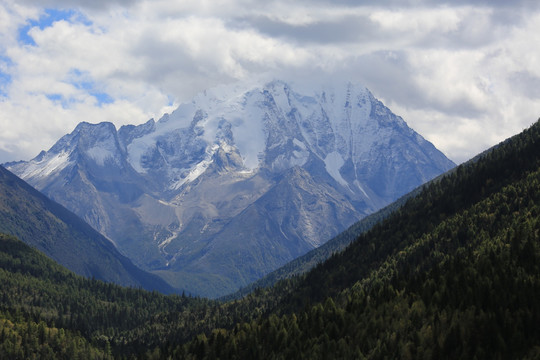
(48, 226)
(48, 309)
(453, 273)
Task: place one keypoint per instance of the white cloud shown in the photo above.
(465, 76)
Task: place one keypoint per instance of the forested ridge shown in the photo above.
(46, 311)
(453, 273)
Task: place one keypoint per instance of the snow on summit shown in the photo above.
(251, 113)
(240, 170)
(272, 126)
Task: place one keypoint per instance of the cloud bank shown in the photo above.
(464, 74)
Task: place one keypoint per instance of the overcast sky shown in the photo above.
(464, 74)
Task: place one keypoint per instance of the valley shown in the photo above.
(452, 271)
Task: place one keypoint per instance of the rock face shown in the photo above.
(237, 182)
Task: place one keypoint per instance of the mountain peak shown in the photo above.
(243, 170)
(98, 127)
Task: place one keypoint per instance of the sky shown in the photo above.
(464, 74)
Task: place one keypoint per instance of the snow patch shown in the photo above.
(206, 112)
(100, 154)
(300, 144)
(333, 163)
(229, 149)
(198, 169)
(46, 167)
(135, 151)
(167, 241)
(357, 183)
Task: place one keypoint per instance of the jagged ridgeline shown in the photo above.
(237, 182)
(453, 273)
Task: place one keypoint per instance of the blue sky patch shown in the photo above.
(48, 19)
(54, 97)
(102, 98)
(83, 80)
(59, 99)
(5, 78)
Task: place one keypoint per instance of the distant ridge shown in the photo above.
(63, 236)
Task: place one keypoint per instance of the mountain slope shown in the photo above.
(511, 162)
(305, 263)
(454, 273)
(51, 228)
(47, 311)
(297, 167)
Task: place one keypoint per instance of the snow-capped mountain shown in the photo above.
(237, 182)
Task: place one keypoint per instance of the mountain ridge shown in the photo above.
(205, 164)
(63, 236)
(451, 273)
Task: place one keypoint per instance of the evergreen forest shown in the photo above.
(452, 272)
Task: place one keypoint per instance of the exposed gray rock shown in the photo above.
(237, 182)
